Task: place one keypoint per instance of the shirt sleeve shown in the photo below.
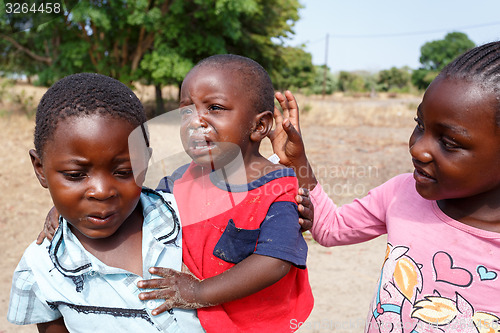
(166, 184)
(357, 222)
(26, 306)
(280, 236)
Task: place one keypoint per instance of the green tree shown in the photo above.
(437, 54)
(351, 82)
(297, 71)
(321, 84)
(394, 79)
(115, 37)
(197, 29)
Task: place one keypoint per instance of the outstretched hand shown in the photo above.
(179, 289)
(285, 138)
(49, 227)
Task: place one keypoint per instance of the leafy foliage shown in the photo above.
(437, 54)
(297, 71)
(156, 41)
(323, 85)
(351, 82)
(394, 79)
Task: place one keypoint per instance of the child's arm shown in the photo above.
(56, 326)
(50, 226)
(287, 142)
(183, 290)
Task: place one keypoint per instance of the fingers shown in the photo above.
(153, 283)
(40, 238)
(50, 231)
(290, 109)
(166, 273)
(293, 109)
(306, 217)
(47, 232)
(50, 226)
(163, 293)
(278, 117)
(283, 103)
(291, 132)
(303, 193)
(163, 272)
(305, 225)
(166, 306)
(306, 209)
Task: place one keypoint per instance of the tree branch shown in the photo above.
(37, 57)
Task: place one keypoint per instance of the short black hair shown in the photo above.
(258, 82)
(481, 65)
(81, 95)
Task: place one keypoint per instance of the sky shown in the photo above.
(376, 35)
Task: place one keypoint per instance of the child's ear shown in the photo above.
(263, 125)
(38, 167)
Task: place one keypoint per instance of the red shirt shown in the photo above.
(222, 227)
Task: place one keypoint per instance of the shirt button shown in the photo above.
(151, 304)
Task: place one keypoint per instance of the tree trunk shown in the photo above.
(160, 106)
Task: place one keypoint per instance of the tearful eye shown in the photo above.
(185, 111)
(215, 108)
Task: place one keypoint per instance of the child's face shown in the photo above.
(86, 167)
(220, 126)
(456, 144)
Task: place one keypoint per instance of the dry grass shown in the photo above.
(352, 112)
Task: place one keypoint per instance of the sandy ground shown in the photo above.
(353, 145)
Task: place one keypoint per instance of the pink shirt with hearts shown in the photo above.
(438, 275)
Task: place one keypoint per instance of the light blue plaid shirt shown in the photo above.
(61, 278)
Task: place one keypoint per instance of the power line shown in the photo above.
(402, 34)
(413, 33)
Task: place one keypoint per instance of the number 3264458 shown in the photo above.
(31, 8)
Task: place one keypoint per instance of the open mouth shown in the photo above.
(423, 173)
(422, 176)
(201, 144)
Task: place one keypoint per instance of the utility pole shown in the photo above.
(326, 67)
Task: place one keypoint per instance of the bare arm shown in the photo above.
(287, 141)
(183, 290)
(56, 326)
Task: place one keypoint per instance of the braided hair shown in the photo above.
(84, 94)
(480, 65)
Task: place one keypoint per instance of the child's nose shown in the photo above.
(198, 119)
(100, 188)
(420, 149)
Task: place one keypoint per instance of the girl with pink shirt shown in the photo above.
(441, 269)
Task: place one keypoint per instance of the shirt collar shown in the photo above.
(70, 257)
